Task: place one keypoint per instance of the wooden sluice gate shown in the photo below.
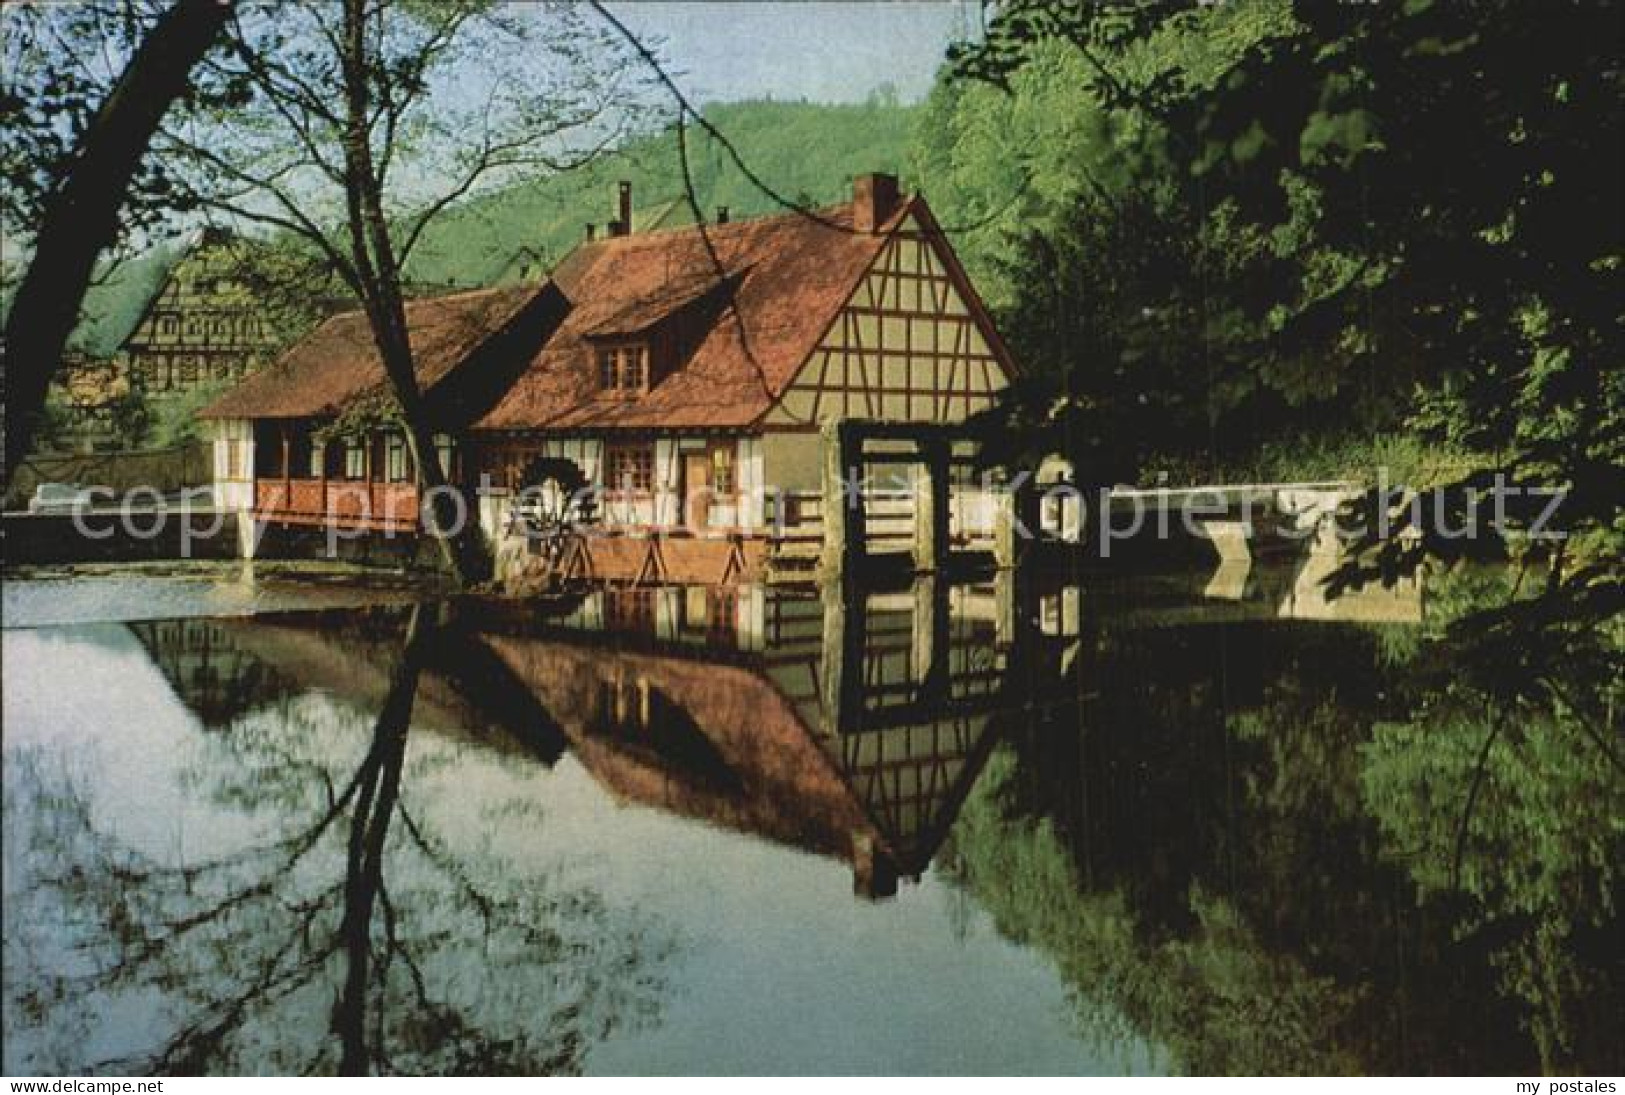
(900, 499)
(896, 499)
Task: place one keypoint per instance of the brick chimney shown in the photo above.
(874, 200)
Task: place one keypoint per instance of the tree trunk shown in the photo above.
(455, 532)
(80, 219)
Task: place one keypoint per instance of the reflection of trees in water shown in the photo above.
(1152, 947)
(1254, 859)
(1537, 876)
(354, 939)
(1502, 795)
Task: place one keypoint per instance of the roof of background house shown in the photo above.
(338, 362)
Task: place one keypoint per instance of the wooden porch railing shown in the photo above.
(382, 507)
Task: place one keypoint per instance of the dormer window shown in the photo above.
(624, 368)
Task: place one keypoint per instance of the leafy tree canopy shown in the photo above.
(1282, 215)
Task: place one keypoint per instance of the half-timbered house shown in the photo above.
(202, 325)
(686, 372)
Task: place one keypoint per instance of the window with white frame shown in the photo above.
(395, 459)
(629, 468)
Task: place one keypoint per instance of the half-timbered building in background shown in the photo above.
(686, 372)
(203, 324)
(197, 324)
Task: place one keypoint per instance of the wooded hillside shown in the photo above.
(809, 151)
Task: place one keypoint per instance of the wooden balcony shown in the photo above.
(379, 507)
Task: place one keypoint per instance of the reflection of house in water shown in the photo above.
(209, 672)
(848, 724)
(847, 727)
(224, 669)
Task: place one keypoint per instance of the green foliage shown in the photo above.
(174, 420)
(1249, 216)
(55, 423)
(520, 231)
(1265, 241)
(288, 285)
(58, 64)
(1394, 457)
(1484, 214)
(130, 418)
(1106, 261)
(114, 303)
(124, 421)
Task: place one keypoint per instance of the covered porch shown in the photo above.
(365, 481)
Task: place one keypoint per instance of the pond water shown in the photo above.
(1134, 827)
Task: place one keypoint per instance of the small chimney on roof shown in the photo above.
(874, 200)
(592, 231)
(722, 214)
(623, 226)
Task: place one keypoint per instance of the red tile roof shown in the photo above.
(337, 362)
(642, 314)
(791, 275)
(786, 279)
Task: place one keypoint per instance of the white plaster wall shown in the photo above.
(587, 454)
(590, 613)
(628, 511)
(973, 511)
(799, 461)
(1060, 510)
(667, 470)
(752, 483)
(584, 452)
(233, 492)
